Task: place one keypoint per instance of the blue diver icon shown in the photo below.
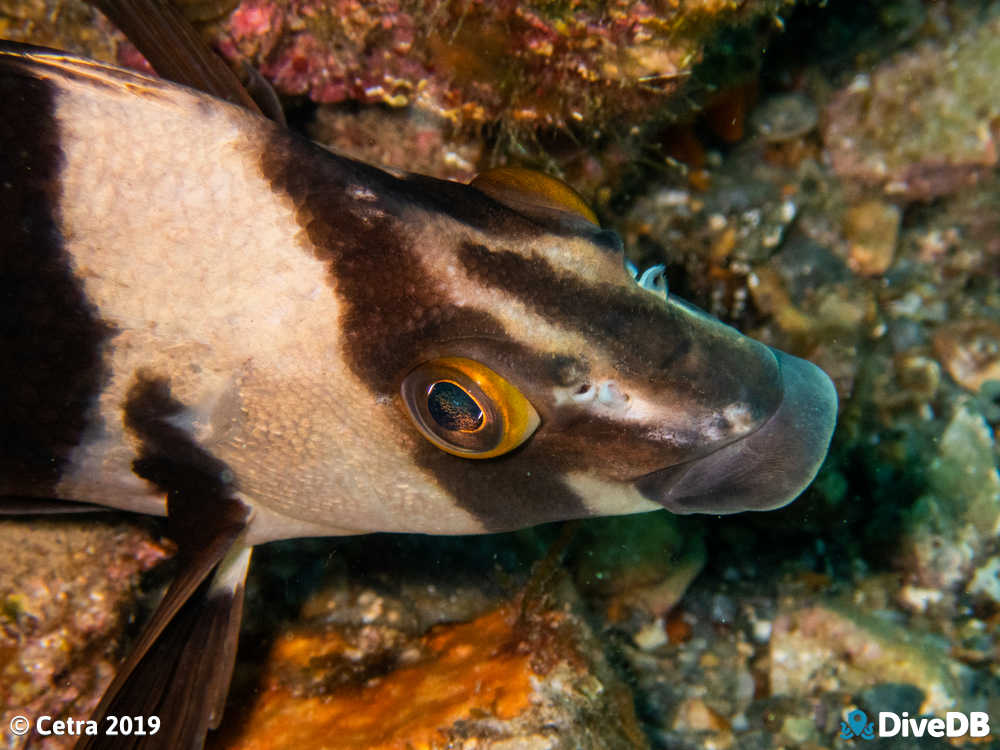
(857, 725)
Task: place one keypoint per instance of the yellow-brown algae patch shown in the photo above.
(469, 670)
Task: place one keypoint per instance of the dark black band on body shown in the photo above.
(51, 368)
(393, 314)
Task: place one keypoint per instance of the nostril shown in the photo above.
(610, 394)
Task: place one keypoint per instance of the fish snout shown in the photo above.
(765, 469)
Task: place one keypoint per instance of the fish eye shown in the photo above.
(466, 409)
(453, 407)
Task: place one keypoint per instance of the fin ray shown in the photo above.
(174, 48)
(30, 506)
(181, 666)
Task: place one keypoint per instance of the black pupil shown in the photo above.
(453, 408)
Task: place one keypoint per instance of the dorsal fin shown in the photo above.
(532, 192)
(175, 49)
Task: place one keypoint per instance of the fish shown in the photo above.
(209, 317)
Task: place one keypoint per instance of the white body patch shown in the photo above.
(604, 498)
(209, 282)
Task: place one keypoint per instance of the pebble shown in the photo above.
(784, 117)
(872, 229)
(969, 351)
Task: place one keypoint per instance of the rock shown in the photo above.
(784, 117)
(919, 376)
(828, 647)
(531, 64)
(892, 696)
(799, 729)
(949, 526)
(969, 351)
(647, 576)
(511, 678)
(921, 124)
(871, 229)
(66, 589)
(986, 580)
(696, 689)
(694, 715)
(806, 266)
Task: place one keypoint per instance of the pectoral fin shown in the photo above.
(181, 667)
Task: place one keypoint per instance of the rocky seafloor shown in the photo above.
(825, 180)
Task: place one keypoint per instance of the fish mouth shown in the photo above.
(766, 469)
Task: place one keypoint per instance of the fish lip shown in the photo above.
(765, 469)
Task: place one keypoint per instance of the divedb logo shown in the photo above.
(954, 724)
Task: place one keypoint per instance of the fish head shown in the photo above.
(568, 385)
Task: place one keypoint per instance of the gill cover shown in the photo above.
(466, 409)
